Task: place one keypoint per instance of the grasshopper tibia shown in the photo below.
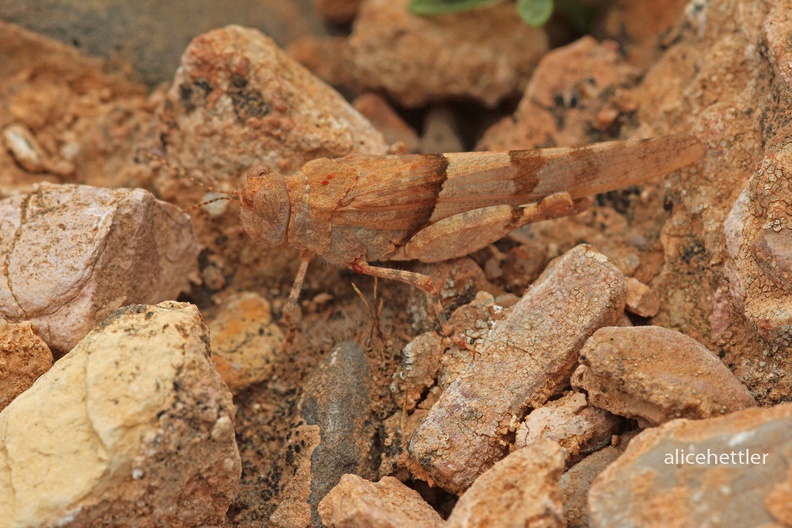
(294, 294)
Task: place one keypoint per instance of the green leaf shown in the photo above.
(535, 12)
(437, 7)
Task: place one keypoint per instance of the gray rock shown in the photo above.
(334, 435)
(150, 34)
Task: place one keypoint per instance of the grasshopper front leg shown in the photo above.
(294, 295)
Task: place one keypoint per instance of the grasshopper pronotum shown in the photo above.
(360, 209)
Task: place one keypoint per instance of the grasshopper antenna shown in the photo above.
(156, 157)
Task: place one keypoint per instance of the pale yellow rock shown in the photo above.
(245, 340)
(134, 424)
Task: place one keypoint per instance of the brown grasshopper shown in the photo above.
(359, 209)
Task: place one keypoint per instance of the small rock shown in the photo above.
(23, 358)
(326, 57)
(294, 509)
(441, 133)
(418, 369)
(660, 374)
(335, 411)
(235, 87)
(477, 319)
(572, 423)
(773, 254)
(429, 366)
(338, 11)
(418, 59)
(520, 490)
(245, 340)
(457, 282)
(526, 359)
(730, 471)
(640, 299)
(395, 432)
(376, 109)
(576, 482)
(75, 253)
(523, 265)
(149, 423)
(358, 503)
(28, 153)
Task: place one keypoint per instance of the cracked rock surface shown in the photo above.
(525, 360)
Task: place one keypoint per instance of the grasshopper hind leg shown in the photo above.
(463, 233)
(422, 282)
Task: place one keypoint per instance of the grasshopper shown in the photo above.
(360, 209)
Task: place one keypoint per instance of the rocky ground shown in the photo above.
(630, 363)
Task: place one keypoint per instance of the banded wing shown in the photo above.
(410, 191)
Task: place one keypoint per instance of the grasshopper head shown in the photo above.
(265, 206)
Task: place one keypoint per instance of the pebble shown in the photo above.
(729, 471)
(457, 281)
(24, 357)
(576, 481)
(572, 423)
(661, 374)
(359, 503)
(379, 112)
(245, 340)
(520, 490)
(640, 299)
(27, 152)
(440, 132)
(75, 253)
(335, 434)
(338, 11)
(421, 361)
(524, 264)
(525, 360)
(133, 428)
(417, 60)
